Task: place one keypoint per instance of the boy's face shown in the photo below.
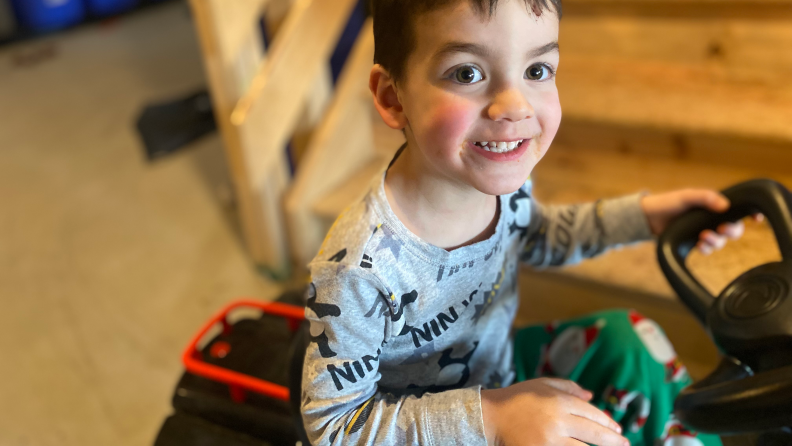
(474, 79)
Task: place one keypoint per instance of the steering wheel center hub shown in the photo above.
(755, 296)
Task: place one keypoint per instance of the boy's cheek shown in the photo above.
(447, 124)
(550, 115)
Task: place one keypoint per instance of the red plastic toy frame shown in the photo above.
(239, 383)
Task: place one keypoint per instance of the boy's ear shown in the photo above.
(383, 88)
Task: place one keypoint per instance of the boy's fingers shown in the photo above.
(758, 218)
(713, 239)
(569, 387)
(706, 198)
(590, 432)
(732, 230)
(591, 413)
(704, 248)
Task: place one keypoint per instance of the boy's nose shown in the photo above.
(510, 105)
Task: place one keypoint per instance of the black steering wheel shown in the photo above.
(750, 322)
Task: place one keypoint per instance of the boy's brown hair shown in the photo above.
(394, 26)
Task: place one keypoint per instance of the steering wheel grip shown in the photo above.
(764, 401)
(754, 196)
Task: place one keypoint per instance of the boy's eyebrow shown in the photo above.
(544, 49)
(478, 50)
(462, 47)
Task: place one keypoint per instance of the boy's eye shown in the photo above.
(468, 75)
(538, 72)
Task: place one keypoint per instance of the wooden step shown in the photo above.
(331, 205)
(386, 142)
(729, 152)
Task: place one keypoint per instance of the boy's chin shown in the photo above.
(500, 185)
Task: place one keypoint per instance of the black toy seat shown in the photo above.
(207, 415)
(260, 348)
(298, 347)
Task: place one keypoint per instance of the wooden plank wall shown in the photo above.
(690, 79)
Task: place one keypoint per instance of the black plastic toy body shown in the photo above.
(751, 322)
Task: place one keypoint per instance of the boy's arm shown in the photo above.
(559, 235)
(341, 402)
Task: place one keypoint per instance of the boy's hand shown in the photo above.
(546, 412)
(660, 209)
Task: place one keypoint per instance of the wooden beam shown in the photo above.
(267, 114)
(223, 61)
(233, 41)
(741, 50)
(673, 97)
(679, 8)
(718, 151)
(694, 74)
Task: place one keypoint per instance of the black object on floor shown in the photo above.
(168, 126)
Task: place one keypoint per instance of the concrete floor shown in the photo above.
(108, 263)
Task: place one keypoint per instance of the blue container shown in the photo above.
(101, 8)
(48, 15)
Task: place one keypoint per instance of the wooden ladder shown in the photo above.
(263, 99)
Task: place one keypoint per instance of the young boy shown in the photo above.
(415, 289)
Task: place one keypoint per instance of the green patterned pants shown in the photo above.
(626, 361)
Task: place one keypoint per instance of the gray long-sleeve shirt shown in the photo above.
(405, 334)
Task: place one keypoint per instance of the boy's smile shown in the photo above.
(473, 80)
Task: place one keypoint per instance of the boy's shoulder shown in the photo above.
(351, 233)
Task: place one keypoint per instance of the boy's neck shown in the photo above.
(440, 211)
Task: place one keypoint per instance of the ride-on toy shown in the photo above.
(242, 387)
(750, 322)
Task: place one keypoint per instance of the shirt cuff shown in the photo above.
(455, 418)
(624, 220)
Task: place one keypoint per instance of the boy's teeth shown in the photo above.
(499, 147)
